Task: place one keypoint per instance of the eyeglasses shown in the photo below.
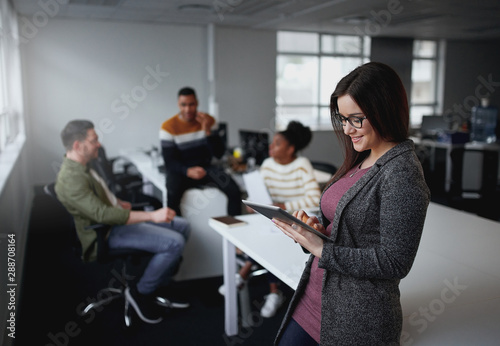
(92, 141)
(356, 122)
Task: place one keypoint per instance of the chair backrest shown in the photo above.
(50, 190)
(324, 167)
(104, 168)
(101, 229)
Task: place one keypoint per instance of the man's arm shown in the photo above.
(124, 204)
(76, 194)
(159, 215)
(170, 153)
(215, 143)
(79, 198)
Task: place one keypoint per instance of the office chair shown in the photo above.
(220, 146)
(324, 167)
(221, 131)
(127, 258)
(126, 186)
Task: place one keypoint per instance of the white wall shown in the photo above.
(245, 79)
(80, 69)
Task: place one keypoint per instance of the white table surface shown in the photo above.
(263, 242)
(450, 297)
(452, 294)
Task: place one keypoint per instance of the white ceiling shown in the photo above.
(449, 19)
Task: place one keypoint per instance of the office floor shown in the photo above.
(55, 284)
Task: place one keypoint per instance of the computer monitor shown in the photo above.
(432, 125)
(254, 144)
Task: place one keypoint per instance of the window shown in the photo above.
(309, 66)
(424, 77)
(10, 81)
(11, 101)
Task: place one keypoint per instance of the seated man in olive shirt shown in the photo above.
(87, 198)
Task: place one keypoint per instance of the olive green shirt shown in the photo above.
(85, 199)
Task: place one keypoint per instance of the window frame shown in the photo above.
(12, 131)
(319, 105)
(436, 105)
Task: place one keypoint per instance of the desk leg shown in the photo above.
(231, 305)
(147, 186)
(447, 179)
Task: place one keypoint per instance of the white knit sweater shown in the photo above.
(293, 184)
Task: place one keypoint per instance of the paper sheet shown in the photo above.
(256, 189)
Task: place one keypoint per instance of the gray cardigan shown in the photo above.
(376, 231)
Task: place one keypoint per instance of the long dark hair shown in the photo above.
(378, 91)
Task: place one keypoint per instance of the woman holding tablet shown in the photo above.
(373, 210)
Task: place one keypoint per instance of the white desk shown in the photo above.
(450, 297)
(263, 242)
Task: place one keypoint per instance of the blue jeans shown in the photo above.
(294, 334)
(164, 240)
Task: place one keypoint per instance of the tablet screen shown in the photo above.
(274, 212)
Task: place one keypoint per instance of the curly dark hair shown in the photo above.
(297, 135)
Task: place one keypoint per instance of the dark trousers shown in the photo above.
(294, 334)
(177, 184)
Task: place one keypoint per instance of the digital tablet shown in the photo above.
(274, 212)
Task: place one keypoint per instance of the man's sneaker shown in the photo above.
(166, 303)
(272, 304)
(240, 282)
(145, 306)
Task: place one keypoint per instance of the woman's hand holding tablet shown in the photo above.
(273, 212)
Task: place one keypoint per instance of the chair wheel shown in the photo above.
(128, 314)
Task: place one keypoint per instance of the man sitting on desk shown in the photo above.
(188, 146)
(85, 195)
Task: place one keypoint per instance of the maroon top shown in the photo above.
(308, 311)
